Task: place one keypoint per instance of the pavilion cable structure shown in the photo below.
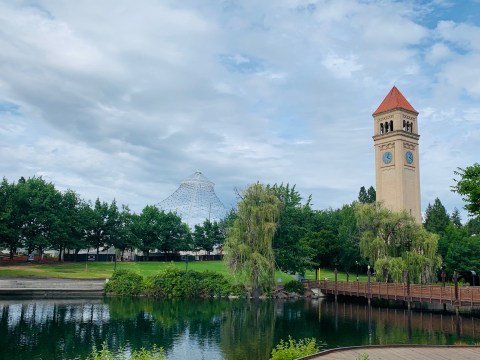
(195, 201)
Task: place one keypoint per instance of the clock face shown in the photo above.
(387, 157)
(409, 157)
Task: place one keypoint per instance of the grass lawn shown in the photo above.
(330, 275)
(102, 270)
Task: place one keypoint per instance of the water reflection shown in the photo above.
(213, 329)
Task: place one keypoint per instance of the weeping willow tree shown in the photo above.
(393, 242)
(248, 247)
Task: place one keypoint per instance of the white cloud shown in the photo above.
(125, 100)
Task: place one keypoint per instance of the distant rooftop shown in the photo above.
(394, 100)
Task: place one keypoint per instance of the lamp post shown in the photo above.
(473, 277)
(356, 263)
(443, 274)
(369, 274)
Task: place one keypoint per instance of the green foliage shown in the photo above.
(207, 235)
(451, 235)
(248, 248)
(293, 349)
(125, 283)
(334, 239)
(367, 197)
(363, 356)
(455, 218)
(295, 286)
(142, 354)
(101, 226)
(464, 255)
(173, 283)
(468, 186)
(391, 240)
(473, 226)
(291, 254)
(436, 218)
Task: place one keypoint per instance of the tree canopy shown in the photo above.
(367, 196)
(248, 247)
(468, 186)
(436, 217)
(394, 242)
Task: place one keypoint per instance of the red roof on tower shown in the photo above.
(394, 100)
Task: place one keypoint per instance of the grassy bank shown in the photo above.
(102, 270)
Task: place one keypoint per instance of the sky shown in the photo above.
(123, 100)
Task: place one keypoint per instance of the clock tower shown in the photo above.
(396, 154)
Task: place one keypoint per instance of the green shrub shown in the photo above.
(125, 283)
(173, 283)
(215, 284)
(295, 286)
(292, 349)
(142, 354)
(363, 356)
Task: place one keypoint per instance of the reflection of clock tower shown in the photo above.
(396, 154)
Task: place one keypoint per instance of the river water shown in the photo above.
(213, 329)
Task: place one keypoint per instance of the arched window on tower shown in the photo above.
(381, 128)
(411, 127)
(404, 125)
(386, 127)
(391, 125)
(408, 126)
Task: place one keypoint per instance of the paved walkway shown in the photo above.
(50, 288)
(401, 353)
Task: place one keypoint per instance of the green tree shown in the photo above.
(334, 238)
(291, 254)
(371, 195)
(367, 196)
(41, 207)
(362, 195)
(468, 186)
(72, 223)
(394, 242)
(248, 247)
(456, 219)
(347, 240)
(102, 225)
(175, 235)
(451, 235)
(464, 255)
(473, 226)
(207, 236)
(147, 229)
(123, 238)
(436, 218)
(10, 222)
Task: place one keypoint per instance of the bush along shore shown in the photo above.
(173, 283)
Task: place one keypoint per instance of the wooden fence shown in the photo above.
(452, 294)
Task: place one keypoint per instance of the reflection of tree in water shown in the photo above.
(28, 329)
(248, 330)
(52, 330)
(201, 318)
(241, 329)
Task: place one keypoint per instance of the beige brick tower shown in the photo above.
(396, 154)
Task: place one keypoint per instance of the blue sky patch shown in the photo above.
(241, 63)
(10, 108)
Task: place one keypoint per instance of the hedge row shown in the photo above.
(172, 283)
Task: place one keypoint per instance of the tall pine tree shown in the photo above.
(436, 218)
